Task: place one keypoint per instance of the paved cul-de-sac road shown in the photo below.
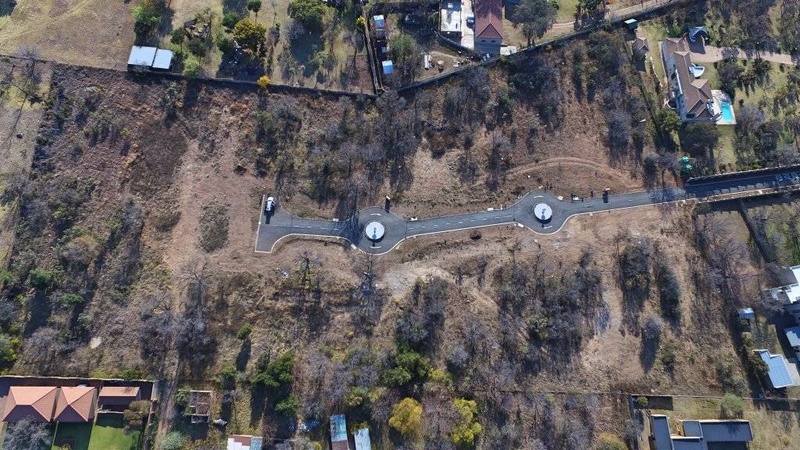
(281, 224)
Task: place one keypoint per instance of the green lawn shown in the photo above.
(566, 10)
(106, 434)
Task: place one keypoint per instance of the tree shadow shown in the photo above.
(258, 400)
(234, 6)
(244, 355)
(647, 355)
(40, 309)
(7, 7)
(304, 48)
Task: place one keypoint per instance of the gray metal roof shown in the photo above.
(687, 443)
(747, 313)
(727, 431)
(793, 335)
(163, 59)
(692, 428)
(779, 375)
(142, 56)
(659, 428)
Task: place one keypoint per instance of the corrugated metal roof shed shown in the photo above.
(747, 313)
(380, 22)
(142, 56)
(163, 59)
(388, 67)
(779, 375)
(362, 439)
(339, 432)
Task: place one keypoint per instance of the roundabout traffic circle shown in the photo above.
(374, 231)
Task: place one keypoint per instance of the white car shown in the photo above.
(270, 205)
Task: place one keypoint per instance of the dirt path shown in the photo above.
(618, 12)
(712, 54)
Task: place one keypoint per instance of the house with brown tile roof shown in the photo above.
(693, 97)
(34, 402)
(118, 395)
(75, 404)
(488, 26)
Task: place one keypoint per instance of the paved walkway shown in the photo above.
(710, 54)
(282, 224)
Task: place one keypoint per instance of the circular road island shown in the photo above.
(543, 212)
(374, 231)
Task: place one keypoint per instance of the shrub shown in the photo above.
(134, 416)
(274, 374)
(641, 402)
(197, 47)
(148, 13)
(244, 332)
(731, 407)
(8, 350)
(172, 441)
(191, 67)
(41, 278)
(406, 417)
(71, 299)
(607, 441)
(229, 20)
(252, 36)
(263, 81)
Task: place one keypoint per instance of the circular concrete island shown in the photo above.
(543, 212)
(374, 231)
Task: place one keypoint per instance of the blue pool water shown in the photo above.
(727, 112)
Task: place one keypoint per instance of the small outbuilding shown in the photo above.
(118, 396)
(388, 67)
(339, 433)
(147, 58)
(632, 24)
(746, 314)
(362, 439)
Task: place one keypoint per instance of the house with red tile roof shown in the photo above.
(34, 402)
(488, 26)
(75, 404)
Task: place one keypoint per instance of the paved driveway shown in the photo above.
(467, 33)
(282, 224)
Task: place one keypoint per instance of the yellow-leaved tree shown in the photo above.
(406, 417)
(468, 429)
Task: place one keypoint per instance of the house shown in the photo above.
(75, 404)
(34, 402)
(793, 336)
(146, 58)
(779, 373)
(789, 294)
(693, 97)
(450, 18)
(488, 26)
(117, 397)
(241, 442)
(362, 439)
(700, 434)
(339, 433)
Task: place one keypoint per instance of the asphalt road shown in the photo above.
(281, 224)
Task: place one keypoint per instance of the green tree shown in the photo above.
(178, 37)
(607, 441)
(27, 434)
(468, 429)
(288, 406)
(537, 16)
(148, 13)
(667, 122)
(254, 5)
(308, 13)
(252, 36)
(244, 332)
(191, 66)
(700, 138)
(41, 278)
(8, 350)
(406, 417)
(731, 407)
(274, 374)
(134, 415)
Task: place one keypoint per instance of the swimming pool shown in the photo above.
(727, 113)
